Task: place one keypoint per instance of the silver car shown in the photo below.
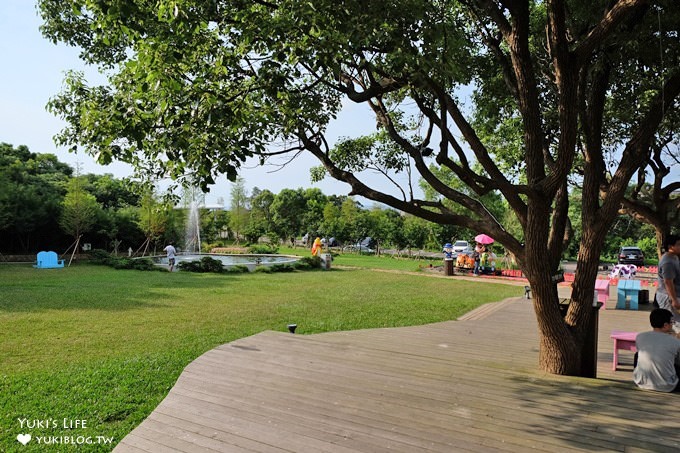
(462, 247)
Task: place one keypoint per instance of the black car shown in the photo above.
(631, 255)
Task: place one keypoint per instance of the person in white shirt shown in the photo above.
(658, 355)
(170, 250)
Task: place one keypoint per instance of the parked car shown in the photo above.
(358, 248)
(366, 245)
(631, 255)
(368, 242)
(332, 242)
(462, 247)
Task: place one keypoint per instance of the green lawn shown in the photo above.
(372, 261)
(105, 346)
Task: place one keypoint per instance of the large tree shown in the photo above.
(197, 86)
(657, 203)
(32, 187)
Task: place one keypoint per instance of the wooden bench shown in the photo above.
(625, 290)
(602, 288)
(622, 340)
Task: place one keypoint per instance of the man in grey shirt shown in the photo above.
(668, 289)
(658, 355)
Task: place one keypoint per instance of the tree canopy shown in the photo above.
(479, 98)
(31, 189)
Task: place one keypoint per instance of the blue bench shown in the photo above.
(628, 289)
(48, 260)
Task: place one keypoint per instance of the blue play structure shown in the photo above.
(48, 260)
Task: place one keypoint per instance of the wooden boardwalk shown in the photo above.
(466, 385)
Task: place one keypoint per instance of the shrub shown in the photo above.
(265, 249)
(282, 268)
(238, 269)
(205, 264)
(263, 270)
(648, 247)
(105, 258)
(308, 263)
(99, 256)
(140, 264)
(209, 246)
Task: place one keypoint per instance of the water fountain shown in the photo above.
(192, 248)
(192, 232)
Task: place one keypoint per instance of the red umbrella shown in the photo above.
(484, 239)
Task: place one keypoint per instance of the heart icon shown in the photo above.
(24, 438)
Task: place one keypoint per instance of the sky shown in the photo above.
(33, 71)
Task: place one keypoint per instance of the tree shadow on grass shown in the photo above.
(43, 294)
(102, 288)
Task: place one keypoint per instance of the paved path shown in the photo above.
(465, 385)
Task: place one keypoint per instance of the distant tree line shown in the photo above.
(45, 205)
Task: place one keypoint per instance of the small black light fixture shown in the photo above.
(292, 327)
(527, 292)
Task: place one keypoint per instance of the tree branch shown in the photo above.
(617, 14)
(637, 148)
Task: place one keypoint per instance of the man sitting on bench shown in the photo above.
(658, 355)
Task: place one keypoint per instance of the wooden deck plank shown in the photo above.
(500, 412)
(135, 442)
(466, 385)
(423, 423)
(289, 433)
(190, 439)
(195, 426)
(124, 446)
(327, 426)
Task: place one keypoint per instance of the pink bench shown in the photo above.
(602, 288)
(622, 340)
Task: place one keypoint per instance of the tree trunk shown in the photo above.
(558, 351)
(660, 234)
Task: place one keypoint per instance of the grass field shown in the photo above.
(105, 346)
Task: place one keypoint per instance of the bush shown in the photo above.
(105, 258)
(264, 249)
(140, 264)
(308, 263)
(238, 269)
(648, 247)
(282, 268)
(99, 256)
(205, 264)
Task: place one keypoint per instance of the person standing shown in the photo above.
(316, 247)
(477, 257)
(668, 290)
(170, 250)
(658, 355)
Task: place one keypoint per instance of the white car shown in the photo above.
(462, 247)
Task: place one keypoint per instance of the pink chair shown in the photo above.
(622, 340)
(602, 288)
